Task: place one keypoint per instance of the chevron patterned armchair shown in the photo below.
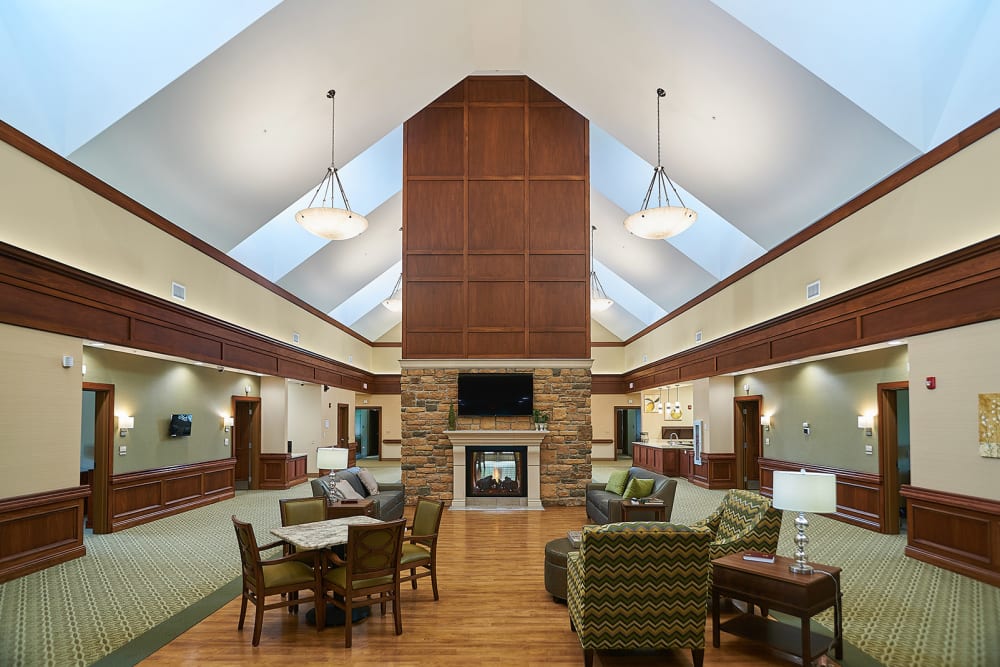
(745, 521)
(640, 585)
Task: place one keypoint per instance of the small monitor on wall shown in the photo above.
(180, 425)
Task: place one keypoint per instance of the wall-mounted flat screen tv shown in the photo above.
(494, 394)
(180, 425)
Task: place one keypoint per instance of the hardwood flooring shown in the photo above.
(493, 609)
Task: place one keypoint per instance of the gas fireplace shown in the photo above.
(496, 472)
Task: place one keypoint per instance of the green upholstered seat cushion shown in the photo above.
(617, 481)
(338, 577)
(414, 553)
(638, 488)
(288, 573)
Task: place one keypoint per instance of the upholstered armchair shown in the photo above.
(745, 521)
(640, 585)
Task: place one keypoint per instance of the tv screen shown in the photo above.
(180, 425)
(494, 394)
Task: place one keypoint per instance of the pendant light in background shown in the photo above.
(599, 300)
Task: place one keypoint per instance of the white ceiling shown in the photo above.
(215, 116)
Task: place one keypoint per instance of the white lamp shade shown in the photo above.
(126, 421)
(394, 303)
(805, 491)
(599, 305)
(660, 223)
(228, 422)
(331, 458)
(336, 224)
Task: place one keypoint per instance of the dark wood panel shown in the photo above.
(435, 344)
(555, 304)
(39, 310)
(490, 202)
(387, 384)
(138, 498)
(557, 137)
(538, 94)
(434, 305)
(952, 308)
(435, 142)
(607, 384)
(835, 336)
(182, 488)
(455, 94)
(717, 471)
(158, 337)
(954, 531)
(496, 304)
(557, 216)
(668, 376)
(431, 267)
(495, 89)
(743, 358)
(500, 344)
(41, 530)
(496, 267)
(697, 369)
(434, 216)
(496, 141)
(240, 357)
(296, 371)
(557, 344)
(557, 267)
(218, 481)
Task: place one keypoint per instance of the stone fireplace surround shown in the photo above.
(428, 455)
(507, 438)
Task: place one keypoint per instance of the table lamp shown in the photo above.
(804, 492)
(331, 458)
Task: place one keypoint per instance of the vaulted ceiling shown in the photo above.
(214, 115)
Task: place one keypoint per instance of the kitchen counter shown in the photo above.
(664, 457)
(667, 444)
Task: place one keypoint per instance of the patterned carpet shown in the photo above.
(900, 611)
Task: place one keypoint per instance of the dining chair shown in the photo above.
(278, 576)
(370, 572)
(420, 545)
(301, 510)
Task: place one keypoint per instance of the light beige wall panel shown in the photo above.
(608, 360)
(944, 423)
(273, 414)
(599, 333)
(899, 230)
(305, 425)
(602, 421)
(151, 390)
(40, 415)
(88, 232)
(385, 360)
(719, 429)
(391, 420)
(828, 395)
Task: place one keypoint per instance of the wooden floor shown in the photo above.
(493, 609)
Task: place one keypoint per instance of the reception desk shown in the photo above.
(664, 457)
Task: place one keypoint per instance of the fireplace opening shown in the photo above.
(496, 472)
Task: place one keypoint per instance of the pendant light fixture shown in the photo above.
(330, 222)
(599, 300)
(395, 300)
(663, 220)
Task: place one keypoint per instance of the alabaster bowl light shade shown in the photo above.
(331, 458)
(805, 491)
(336, 224)
(661, 222)
(394, 303)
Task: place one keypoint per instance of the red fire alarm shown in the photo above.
(930, 382)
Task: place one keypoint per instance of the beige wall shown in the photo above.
(40, 408)
(273, 414)
(944, 435)
(151, 390)
(828, 395)
(602, 421)
(391, 422)
(305, 425)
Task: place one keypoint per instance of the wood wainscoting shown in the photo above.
(955, 532)
(717, 471)
(41, 530)
(282, 471)
(147, 495)
(859, 494)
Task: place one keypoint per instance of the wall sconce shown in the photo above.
(125, 422)
(765, 421)
(866, 422)
(227, 423)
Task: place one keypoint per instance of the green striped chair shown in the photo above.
(639, 585)
(745, 521)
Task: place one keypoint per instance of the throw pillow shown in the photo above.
(638, 488)
(617, 481)
(368, 479)
(345, 488)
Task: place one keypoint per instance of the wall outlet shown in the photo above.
(122, 450)
(868, 450)
(225, 443)
(767, 441)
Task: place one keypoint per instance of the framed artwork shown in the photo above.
(989, 425)
(651, 404)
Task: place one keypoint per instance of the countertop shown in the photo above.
(667, 444)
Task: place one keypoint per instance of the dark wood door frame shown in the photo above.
(343, 414)
(254, 402)
(620, 412)
(753, 439)
(375, 437)
(104, 445)
(888, 453)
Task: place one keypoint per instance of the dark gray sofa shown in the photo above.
(389, 501)
(605, 507)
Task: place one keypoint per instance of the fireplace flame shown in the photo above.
(496, 474)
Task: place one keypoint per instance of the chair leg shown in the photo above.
(395, 611)
(348, 620)
(588, 657)
(434, 582)
(413, 578)
(698, 656)
(258, 622)
(320, 607)
(243, 611)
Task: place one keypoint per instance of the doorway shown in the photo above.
(97, 420)
(747, 441)
(245, 440)
(627, 424)
(343, 410)
(894, 450)
(368, 431)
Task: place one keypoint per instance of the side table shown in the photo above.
(339, 510)
(773, 586)
(630, 508)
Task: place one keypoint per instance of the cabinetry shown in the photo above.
(658, 459)
(687, 463)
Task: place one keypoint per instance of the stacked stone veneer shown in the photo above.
(426, 454)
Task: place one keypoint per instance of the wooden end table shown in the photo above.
(630, 507)
(773, 586)
(339, 510)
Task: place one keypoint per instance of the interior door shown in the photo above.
(98, 510)
(245, 433)
(748, 440)
(342, 424)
